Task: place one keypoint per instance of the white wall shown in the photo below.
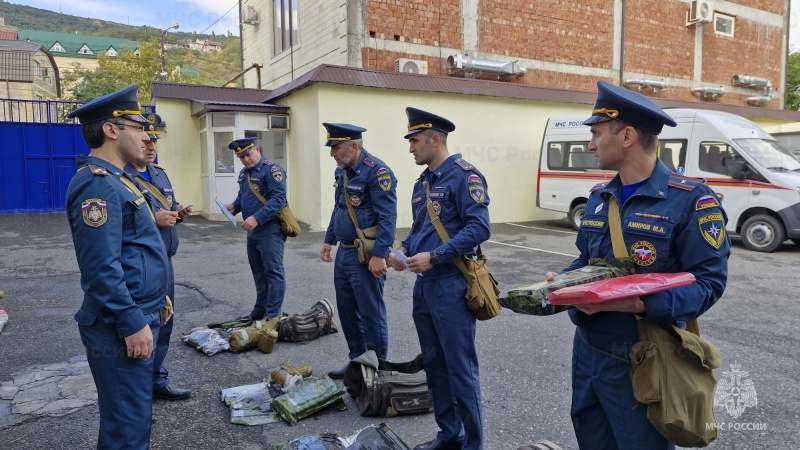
(179, 150)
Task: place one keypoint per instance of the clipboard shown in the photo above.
(224, 210)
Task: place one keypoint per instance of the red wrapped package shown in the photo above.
(621, 287)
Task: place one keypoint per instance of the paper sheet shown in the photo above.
(402, 258)
(225, 211)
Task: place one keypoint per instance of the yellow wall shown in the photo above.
(179, 150)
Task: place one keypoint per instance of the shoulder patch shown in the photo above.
(598, 186)
(464, 165)
(95, 212)
(97, 170)
(370, 162)
(474, 179)
(268, 162)
(705, 202)
(158, 167)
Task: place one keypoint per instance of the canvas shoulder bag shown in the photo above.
(288, 224)
(482, 288)
(365, 239)
(672, 371)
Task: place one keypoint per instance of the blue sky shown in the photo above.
(191, 15)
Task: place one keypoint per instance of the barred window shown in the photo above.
(16, 65)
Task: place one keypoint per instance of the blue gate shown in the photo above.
(38, 145)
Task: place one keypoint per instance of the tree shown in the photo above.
(793, 82)
(114, 73)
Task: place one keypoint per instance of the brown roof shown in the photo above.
(208, 93)
(15, 45)
(9, 35)
(432, 83)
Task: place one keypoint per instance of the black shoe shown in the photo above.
(256, 315)
(339, 373)
(436, 444)
(170, 393)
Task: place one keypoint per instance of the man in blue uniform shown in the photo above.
(670, 223)
(262, 194)
(445, 325)
(157, 189)
(124, 268)
(367, 185)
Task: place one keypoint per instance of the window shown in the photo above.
(57, 48)
(222, 154)
(85, 51)
(673, 154)
(570, 156)
(37, 69)
(285, 20)
(714, 157)
(111, 52)
(723, 24)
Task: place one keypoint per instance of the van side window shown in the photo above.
(570, 156)
(673, 153)
(714, 157)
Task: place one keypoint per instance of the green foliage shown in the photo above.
(793, 82)
(126, 69)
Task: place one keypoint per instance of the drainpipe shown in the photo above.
(622, 45)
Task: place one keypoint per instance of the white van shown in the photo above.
(756, 178)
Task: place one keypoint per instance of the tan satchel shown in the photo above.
(482, 288)
(365, 239)
(672, 370)
(288, 224)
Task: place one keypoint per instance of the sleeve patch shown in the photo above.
(712, 227)
(464, 165)
(474, 179)
(277, 174)
(95, 212)
(705, 202)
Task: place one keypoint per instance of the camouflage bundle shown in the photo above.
(309, 398)
(533, 299)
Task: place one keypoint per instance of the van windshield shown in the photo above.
(770, 154)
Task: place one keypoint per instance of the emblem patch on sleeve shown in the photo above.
(476, 192)
(95, 212)
(705, 202)
(355, 200)
(384, 178)
(276, 174)
(712, 227)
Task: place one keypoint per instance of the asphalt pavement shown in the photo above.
(525, 360)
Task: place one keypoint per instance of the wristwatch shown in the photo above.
(435, 258)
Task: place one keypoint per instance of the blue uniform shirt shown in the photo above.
(461, 201)
(671, 224)
(159, 179)
(269, 180)
(371, 189)
(123, 262)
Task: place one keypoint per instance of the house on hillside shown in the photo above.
(205, 46)
(68, 49)
(28, 79)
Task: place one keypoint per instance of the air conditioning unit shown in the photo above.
(702, 11)
(411, 66)
(249, 15)
(277, 122)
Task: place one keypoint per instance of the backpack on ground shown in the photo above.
(316, 322)
(386, 389)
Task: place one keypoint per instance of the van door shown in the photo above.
(714, 160)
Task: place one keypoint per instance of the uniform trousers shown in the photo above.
(265, 254)
(605, 414)
(124, 388)
(446, 330)
(160, 372)
(359, 299)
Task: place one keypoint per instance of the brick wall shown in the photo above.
(426, 22)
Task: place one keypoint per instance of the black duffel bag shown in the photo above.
(386, 389)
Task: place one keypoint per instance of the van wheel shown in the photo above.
(763, 233)
(576, 214)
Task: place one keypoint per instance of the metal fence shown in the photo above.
(43, 111)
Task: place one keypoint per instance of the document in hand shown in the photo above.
(619, 288)
(225, 211)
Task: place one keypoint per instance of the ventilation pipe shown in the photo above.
(473, 67)
(709, 91)
(755, 83)
(644, 84)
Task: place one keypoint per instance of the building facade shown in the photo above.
(28, 79)
(707, 51)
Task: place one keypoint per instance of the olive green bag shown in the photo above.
(288, 224)
(672, 371)
(365, 241)
(482, 288)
